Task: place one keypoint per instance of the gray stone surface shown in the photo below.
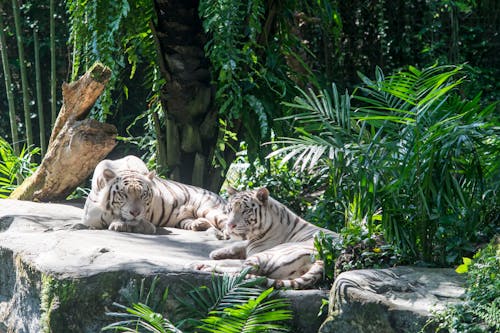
(390, 300)
(57, 278)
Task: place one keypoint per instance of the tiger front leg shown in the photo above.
(120, 226)
(145, 227)
(235, 251)
(199, 224)
(142, 227)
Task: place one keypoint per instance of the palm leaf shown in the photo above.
(259, 314)
(140, 318)
(226, 291)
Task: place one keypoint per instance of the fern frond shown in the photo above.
(226, 290)
(258, 314)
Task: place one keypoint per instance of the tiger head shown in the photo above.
(129, 195)
(246, 213)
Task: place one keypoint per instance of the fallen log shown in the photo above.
(76, 144)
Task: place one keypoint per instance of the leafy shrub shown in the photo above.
(412, 156)
(300, 191)
(13, 168)
(357, 249)
(480, 312)
(231, 304)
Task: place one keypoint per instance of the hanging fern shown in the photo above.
(115, 33)
(249, 65)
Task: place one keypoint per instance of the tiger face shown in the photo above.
(246, 214)
(130, 195)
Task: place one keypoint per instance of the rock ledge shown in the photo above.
(55, 278)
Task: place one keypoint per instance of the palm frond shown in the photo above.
(258, 314)
(226, 291)
(140, 318)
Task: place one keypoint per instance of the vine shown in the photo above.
(119, 35)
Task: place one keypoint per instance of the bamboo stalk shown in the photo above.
(8, 86)
(39, 101)
(53, 80)
(24, 74)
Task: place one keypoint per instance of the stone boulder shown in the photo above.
(57, 278)
(390, 300)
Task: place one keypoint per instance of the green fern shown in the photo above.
(489, 314)
(255, 315)
(114, 33)
(140, 318)
(226, 291)
(14, 168)
(231, 304)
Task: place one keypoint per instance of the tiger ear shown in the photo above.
(108, 174)
(262, 195)
(231, 190)
(151, 175)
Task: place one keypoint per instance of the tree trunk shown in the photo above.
(76, 144)
(191, 122)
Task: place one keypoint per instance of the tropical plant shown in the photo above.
(480, 310)
(438, 152)
(14, 168)
(329, 141)
(232, 304)
(298, 190)
(412, 155)
(226, 291)
(256, 315)
(117, 34)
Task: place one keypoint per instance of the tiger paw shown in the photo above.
(200, 225)
(216, 234)
(220, 254)
(119, 226)
(145, 227)
(201, 267)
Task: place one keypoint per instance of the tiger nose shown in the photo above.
(135, 212)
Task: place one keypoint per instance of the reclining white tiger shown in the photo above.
(279, 246)
(126, 196)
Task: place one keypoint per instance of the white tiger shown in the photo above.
(279, 244)
(126, 196)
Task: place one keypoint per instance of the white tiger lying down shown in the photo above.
(279, 246)
(126, 196)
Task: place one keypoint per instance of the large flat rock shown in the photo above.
(57, 278)
(399, 299)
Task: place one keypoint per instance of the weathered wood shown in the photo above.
(76, 144)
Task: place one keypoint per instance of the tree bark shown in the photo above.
(76, 144)
(191, 123)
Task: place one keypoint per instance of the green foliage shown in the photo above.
(140, 318)
(480, 311)
(118, 34)
(298, 190)
(248, 53)
(14, 168)
(357, 249)
(329, 142)
(436, 153)
(225, 291)
(411, 156)
(231, 304)
(328, 250)
(256, 315)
